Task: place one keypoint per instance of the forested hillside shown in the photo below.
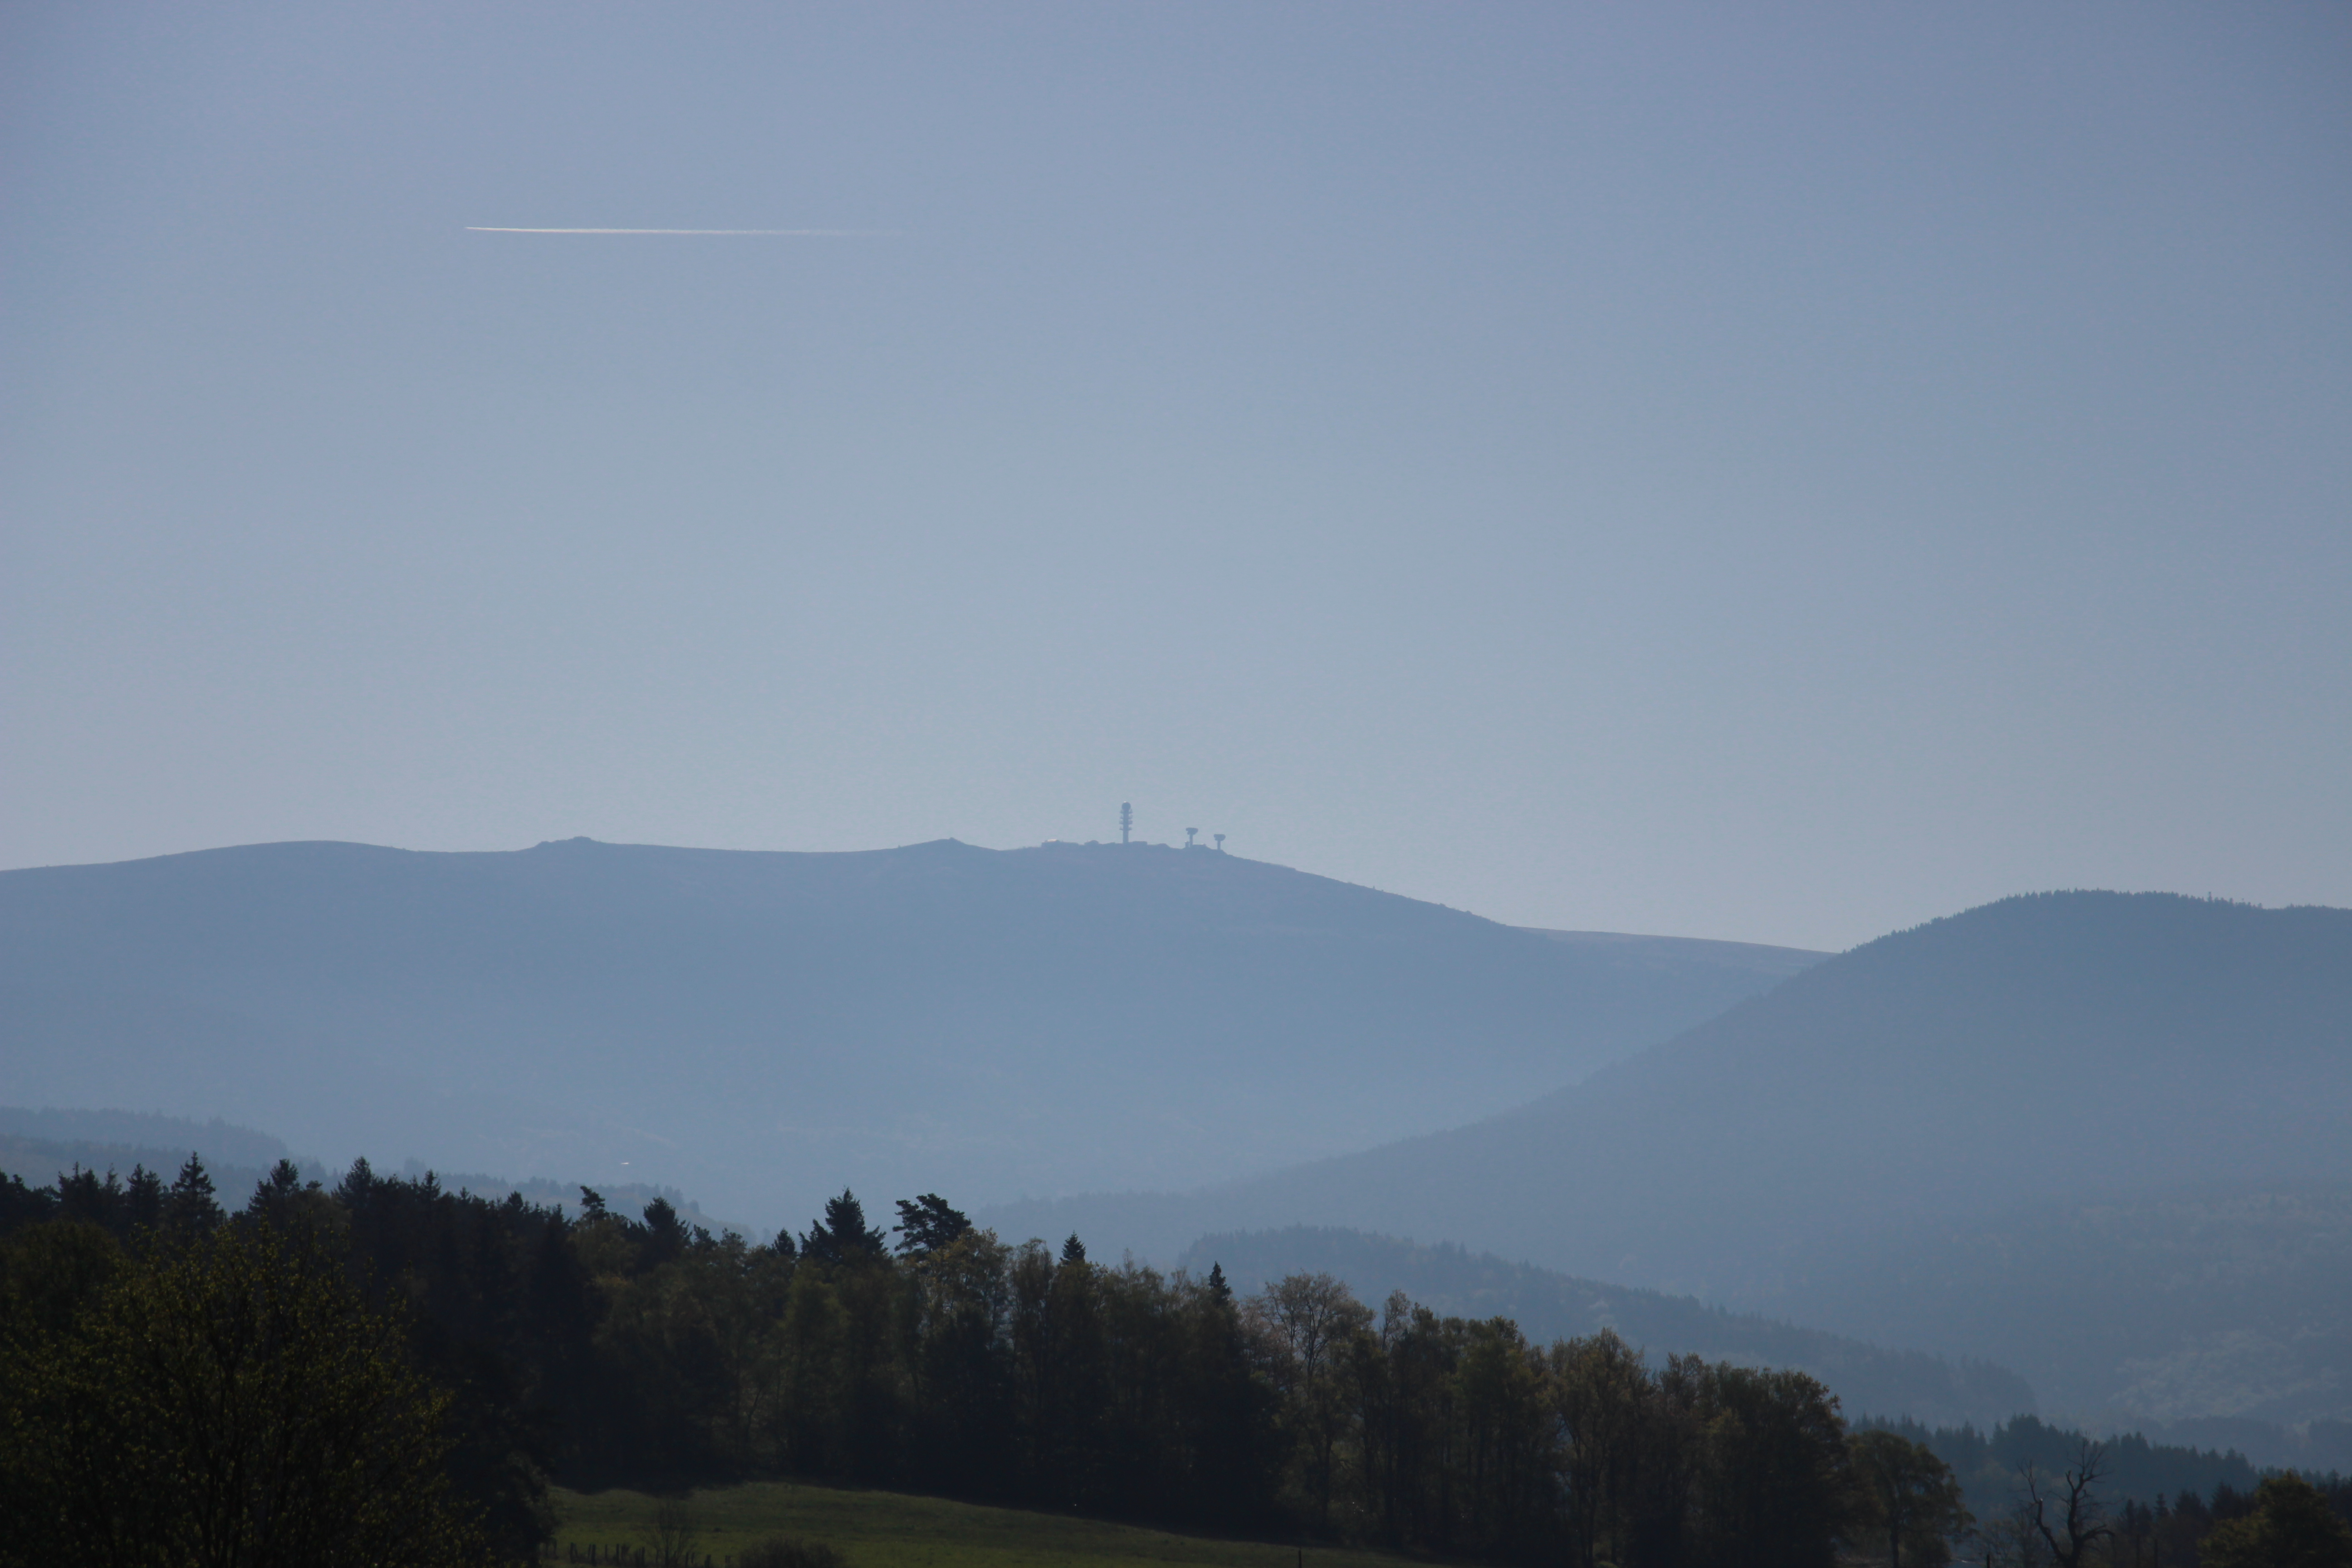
(2221, 1316)
(1547, 1306)
(753, 1027)
(928, 1356)
(38, 1147)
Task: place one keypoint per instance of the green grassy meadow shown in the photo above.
(890, 1530)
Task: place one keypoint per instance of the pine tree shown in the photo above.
(664, 1232)
(927, 1223)
(190, 1210)
(142, 1200)
(843, 1235)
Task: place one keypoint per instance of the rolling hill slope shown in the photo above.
(2226, 1309)
(1875, 1144)
(762, 1028)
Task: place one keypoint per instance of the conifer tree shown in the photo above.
(190, 1210)
(142, 1199)
(928, 1224)
(843, 1235)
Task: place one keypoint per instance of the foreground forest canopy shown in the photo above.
(507, 1344)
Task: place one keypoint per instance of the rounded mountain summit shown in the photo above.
(765, 1027)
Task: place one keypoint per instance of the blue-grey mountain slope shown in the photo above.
(2221, 1315)
(1882, 1144)
(762, 1028)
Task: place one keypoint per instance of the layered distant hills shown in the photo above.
(763, 1029)
(2206, 1315)
(37, 1146)
(2105, 1139)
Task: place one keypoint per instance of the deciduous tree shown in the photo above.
(2291, 1527)
(1909, 1496)
(235, 1407)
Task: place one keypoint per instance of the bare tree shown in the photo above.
(2074, 1498)
(671, 1539)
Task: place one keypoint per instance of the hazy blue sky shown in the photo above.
(1779, 472)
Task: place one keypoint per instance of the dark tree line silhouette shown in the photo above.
(933, 1356)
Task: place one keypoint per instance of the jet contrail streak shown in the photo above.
(801, 233)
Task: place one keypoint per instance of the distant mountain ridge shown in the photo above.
(762, 1028)
(2220, 1314)
(2079, 1043)
(1775, 963)
(218, 1141)
(1841, 1150)
(39, 1146)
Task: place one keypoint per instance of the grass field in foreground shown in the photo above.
(890, 1530)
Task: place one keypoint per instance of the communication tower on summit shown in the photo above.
(1126, 820)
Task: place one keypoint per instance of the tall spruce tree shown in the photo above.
(842, 1236)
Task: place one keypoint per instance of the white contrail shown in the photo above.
(801, 233)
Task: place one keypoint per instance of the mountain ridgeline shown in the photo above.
(1976, 1136)
(755, 1027)
(2056, 1044)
